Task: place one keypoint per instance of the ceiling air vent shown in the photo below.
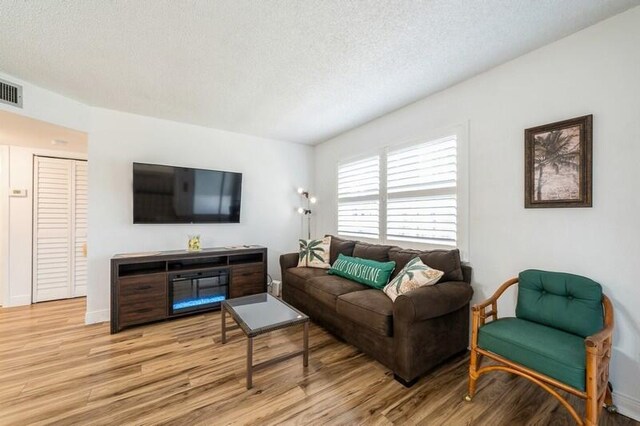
(10, 93)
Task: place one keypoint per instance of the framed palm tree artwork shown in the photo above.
(558, 164)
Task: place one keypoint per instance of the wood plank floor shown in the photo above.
(56, 370)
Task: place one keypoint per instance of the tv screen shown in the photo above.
(165, 194)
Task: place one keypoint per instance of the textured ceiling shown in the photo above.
(296, 70)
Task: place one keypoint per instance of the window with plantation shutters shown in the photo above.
(421, 193)
(404, 194)
(358, 198)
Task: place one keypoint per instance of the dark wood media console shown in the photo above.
(149, 287)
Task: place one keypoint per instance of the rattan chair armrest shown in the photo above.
(496, 295)
(598, 340)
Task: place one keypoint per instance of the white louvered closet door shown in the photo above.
(59, 228)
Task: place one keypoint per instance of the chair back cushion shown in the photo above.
(564, 301)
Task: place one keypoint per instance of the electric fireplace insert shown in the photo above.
(196, 291)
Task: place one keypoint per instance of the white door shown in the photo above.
(59, 228)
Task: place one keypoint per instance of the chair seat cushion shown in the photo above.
(326, 289)
(549, 351)
(368, 308)
(297, 277)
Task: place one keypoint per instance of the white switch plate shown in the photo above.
(17, 192)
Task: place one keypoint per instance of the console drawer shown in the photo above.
(251, 268)
(144, 312)
(247, 280)
(142, 298)
(146, 285)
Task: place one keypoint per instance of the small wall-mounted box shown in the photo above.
(17, 192)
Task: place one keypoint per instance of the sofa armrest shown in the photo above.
(466, 273)
(288, 260)
(431, 301)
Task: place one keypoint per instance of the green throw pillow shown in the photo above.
(365, 271)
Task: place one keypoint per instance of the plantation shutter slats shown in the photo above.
(411, 195)
(52, 227)
(421, 188)
(358, 204)
(431, 165)
(425, 219)
(359, 219)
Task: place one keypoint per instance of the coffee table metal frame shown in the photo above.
(252, 333)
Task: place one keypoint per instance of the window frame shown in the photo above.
(461, 133)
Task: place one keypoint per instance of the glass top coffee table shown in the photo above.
(262, 313)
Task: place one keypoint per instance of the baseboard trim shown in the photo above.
(627, 405)
(97, 316)
(22, 300)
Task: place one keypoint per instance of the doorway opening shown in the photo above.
(43, 209)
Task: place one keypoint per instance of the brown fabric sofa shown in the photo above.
(411, 336)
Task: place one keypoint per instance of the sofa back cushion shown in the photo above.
(563, 301)
(340, 246)
(447, 261)
(377, 252)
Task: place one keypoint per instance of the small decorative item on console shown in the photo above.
(194, 243)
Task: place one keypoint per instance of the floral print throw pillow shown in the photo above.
(414, 275)
(315, 253)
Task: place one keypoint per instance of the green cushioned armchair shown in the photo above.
(560, 338)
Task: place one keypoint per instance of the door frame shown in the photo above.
(4, 225)
(54, 155)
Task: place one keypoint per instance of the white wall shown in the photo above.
(272, 171)
(595, 71)
(48, 106)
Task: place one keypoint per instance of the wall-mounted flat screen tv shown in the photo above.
(166, 194)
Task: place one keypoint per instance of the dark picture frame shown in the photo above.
(558, 164)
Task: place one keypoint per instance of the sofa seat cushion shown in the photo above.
(298, 277)
(368, 308)
(326, 289)
(547, 350)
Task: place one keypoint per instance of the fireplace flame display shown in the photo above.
(194, 291)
